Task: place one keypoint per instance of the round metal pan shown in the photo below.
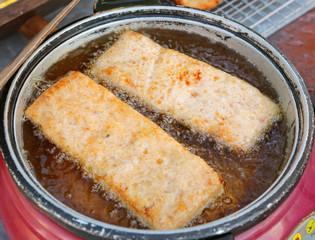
(283, 77)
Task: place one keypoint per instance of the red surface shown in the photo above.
(297, 41)
(298, 205)
(22, 221)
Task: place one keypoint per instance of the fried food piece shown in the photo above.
(197, 94)
(201, 4)
(153, 175)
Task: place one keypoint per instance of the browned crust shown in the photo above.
(156, 178)
(201, 4)
(195, 93)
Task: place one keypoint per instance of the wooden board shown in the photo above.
(13, 13)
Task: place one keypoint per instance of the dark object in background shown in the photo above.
(14, 15)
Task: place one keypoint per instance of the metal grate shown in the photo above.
(264, 16)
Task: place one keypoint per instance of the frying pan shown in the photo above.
(284, 78)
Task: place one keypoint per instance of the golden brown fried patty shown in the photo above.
(197, 94)
(201, 4)
(158, 179)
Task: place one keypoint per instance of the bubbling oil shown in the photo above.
(245, 176)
